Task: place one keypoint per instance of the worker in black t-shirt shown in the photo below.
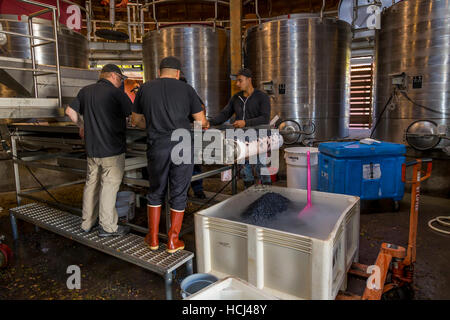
(104, 108)
(162, 106)
(252, 108)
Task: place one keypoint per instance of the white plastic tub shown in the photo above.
(231, 288)
(292, 258)
(297, 167)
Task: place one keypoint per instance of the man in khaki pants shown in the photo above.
(104, 108)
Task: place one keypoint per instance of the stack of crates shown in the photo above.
(369, 171)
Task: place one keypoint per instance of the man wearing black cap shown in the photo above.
(104, 108)
(252, 108)
(166, 104)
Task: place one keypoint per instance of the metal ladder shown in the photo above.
(36, 71)
(363, 37)
(367, 48)
(362, 58)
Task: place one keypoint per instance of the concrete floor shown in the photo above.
(38, 270)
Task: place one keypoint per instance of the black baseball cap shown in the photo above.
(113, 68)
(246, 72)
(170, 63)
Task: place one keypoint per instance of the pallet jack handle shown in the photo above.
(403, 268)
(418, 176)
(424, 177)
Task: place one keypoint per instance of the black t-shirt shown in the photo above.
(191, 118)
(255, 109)
(104, 108)
(166, 104)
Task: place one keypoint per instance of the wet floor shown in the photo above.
(38, 270)
(379, 224)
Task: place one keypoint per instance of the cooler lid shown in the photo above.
(358, 149)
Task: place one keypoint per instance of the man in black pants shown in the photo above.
(165, 104)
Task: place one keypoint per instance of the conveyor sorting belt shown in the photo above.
(130, 247)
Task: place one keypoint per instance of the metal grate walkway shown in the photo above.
(130, 247)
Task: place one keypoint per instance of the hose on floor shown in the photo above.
(441, 221)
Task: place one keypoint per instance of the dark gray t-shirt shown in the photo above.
(255, 110)
(166, 104)
(104, 108)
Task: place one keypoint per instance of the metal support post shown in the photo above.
(33, 58)
(14, 226)
(168, 282)
(58, 74)
(234, 177)
(16, 168)
(17, 182)
(235, 39)
(189, 267)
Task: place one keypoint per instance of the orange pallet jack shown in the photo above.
(396, 259)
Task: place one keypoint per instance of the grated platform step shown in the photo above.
(130, 247)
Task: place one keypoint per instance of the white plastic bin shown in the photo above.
(304, 259)
(231, 288)
(297, 167)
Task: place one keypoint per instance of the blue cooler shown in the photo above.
(368, 171)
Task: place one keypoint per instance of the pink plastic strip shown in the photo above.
(308, 159)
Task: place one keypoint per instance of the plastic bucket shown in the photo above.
(297, 167)
(123, 212)
(122, 203)
(196, 282)
(130, 198)
(126, 195)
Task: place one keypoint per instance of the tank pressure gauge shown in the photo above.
(268, 87)
(399, 80)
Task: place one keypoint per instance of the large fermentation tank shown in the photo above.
(73, 46)
(303, 63)
(204, 55)
(415, 40)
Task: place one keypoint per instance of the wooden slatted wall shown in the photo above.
(361, 96)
